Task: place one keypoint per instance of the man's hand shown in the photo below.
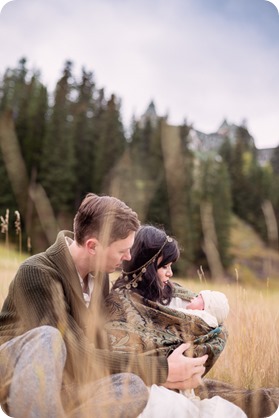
(184, 372)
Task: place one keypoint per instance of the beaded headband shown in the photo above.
(137, 273)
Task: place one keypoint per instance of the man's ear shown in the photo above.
(91, 245)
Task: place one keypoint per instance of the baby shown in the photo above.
(212, 306)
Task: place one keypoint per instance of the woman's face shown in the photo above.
(164, 273)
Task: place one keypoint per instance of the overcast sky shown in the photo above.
(199, 60)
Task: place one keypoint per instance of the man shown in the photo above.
(51, 327)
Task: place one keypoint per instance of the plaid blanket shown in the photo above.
(136, 324)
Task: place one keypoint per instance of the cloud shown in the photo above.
(196, 59)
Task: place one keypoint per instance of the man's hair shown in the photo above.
(104, 217)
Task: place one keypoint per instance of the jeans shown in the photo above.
(31, 372)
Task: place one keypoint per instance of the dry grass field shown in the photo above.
(9, 262)
(251, 355)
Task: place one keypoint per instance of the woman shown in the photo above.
(140, 300)
(141, 320)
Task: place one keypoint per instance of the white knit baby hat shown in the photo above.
(216, 303)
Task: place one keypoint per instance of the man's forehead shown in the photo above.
(125, 243)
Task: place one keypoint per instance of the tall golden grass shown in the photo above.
(251, 356)
(10, 260)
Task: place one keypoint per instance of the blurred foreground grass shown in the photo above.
(10, 259)
(251, 355)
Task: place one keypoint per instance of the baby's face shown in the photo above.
(196, 303)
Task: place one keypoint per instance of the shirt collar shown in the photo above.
(86, 296)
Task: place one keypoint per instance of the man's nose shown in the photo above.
(127, 255)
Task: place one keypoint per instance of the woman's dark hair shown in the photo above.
(148, 242)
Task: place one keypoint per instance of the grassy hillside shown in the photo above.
(253, 263)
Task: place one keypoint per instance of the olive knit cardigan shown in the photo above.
(46, 291)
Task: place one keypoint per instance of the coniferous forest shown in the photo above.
(56, 146)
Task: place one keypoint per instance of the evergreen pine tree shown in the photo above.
(275, 160)
(25, 96)
(247, 179)
(109, 140)
(58, 175)
(215, 189)
(83, 135)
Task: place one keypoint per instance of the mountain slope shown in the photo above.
(251, 257)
